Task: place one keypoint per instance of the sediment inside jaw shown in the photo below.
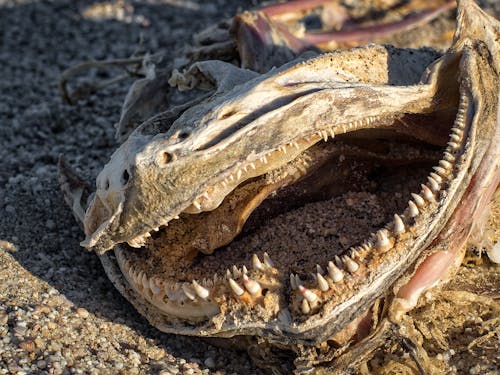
(316, 250)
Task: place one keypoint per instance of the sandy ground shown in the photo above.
(59, 314)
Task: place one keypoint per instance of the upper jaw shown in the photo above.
(167, 173)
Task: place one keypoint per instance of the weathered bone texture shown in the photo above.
(194, 173)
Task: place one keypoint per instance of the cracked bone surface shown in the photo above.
(355, 136)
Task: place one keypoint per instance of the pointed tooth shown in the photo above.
(298, 281)
(351, 265)
(427, 193)
(256, 263)
(319, 269)
(202, 292)
(238, 290)
(440, 171)
(338, 261)
(412, 209)
(322, 283)
(448, 157)
(188, 292)
(418, 200)
(263, 159)
(455, 138)
(433, 184)
(293, 283)
(324, 134)
(197, 204)
(453, 145)
(251, 285)
(334, 272)
(236, 271)
(296, 145)
(244, 269)
(267, 260)
(205, 195)
(445, 164)
(436, 177)
(399, 226)
(383, 243)
(252, 165)
(332, 133)
(305, 308)
(239, 174)
(309, 295)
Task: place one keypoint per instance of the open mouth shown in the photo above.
(283, 236)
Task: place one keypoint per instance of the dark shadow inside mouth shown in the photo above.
(353, 193)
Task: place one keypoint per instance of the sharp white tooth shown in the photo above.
(298, 281)
(296, 145)
(252, 165)
(156, 229)
(251, 285)
(306, 309)
(455, 137)
(436, 177)
(427, 193)
(319, 269)
(200, 291)
(324, 134)
(433, 184)
(267, 260)
(440, 171)
(308, 294)
(236, 271)
(335, 274)
(445, 164)
(238, 290)
(332, 133)
(338, 261)
(351, 265)
(256, 263)
(448, 157)
(228, 274)
(293, 283)
(231, 177)
(418, 200)
(322, 283)
(412, 209)
(245, 168)
(383, 242)
(453, 145)
(244, 269)
(188, 291)
(354, 253)
(264, 159)
(399, 226)
(239, 174)
(197, 204)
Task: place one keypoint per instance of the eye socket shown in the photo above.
(125, 177)
(165, 157)
(183, 135)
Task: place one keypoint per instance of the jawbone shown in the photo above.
(186, 181)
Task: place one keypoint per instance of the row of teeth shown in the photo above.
(240, 174)
(383, 240)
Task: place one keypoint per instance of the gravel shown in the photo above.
(59, 314)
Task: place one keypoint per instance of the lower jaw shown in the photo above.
(298, 240)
